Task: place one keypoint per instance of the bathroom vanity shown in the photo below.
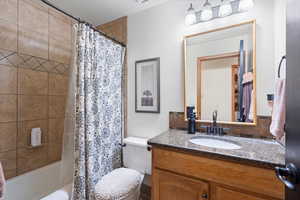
(182, 170)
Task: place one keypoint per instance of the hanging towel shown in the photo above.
(247, 77)
(251, 112)
(2, 182)
(247, 95)
(279, 109)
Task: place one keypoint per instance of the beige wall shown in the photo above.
(216, 88)
(35, 52)
(159, 32)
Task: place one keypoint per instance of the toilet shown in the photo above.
(125, 183)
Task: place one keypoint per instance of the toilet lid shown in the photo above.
(118, 184)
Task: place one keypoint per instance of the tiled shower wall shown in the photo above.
(35, 52)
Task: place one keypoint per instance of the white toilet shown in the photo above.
(125, 183)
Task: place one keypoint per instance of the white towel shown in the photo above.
(279, 110)
(251, 111)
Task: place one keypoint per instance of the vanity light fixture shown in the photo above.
(207, 12)
(225, 8)
(245, 5)
(190, 18)
(141, 1)
(216, 10)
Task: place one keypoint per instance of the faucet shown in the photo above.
(214, 129)
(215, 116)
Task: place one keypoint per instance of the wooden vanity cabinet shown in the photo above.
(221, 193)
(171, 186)
(185, 176)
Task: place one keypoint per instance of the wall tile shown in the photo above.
(31, 158)
(13, 59)
(261, 130)
(33, 28)
(58, 84)
(57, 105)
(32, 82)
(59, 37)
(60, 25)
(8, 24)
(9, 163)
(8, 108)
(33, 43)
(9, 10)
(36, 40)
(8, 136)
(8, 80)
(56, 130)
(24, 132)
(54, 152)
(9, 58)
(116, 29)
(32, 107)
(59, 50)
(8, 35)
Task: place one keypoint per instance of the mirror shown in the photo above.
(220, 74)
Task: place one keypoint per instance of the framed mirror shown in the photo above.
(220, 74)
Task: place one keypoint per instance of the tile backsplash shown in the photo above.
(261, 130)
(35, 57)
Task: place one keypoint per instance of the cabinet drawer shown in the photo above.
(249, 178)
(227, 194)
(169, 186)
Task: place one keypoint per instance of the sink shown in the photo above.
(214, 143)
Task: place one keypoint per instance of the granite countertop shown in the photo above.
(258, 151)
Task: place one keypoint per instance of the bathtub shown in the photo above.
(61, 194)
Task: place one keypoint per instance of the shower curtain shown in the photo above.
(98, 131)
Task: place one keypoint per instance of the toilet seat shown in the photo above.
(120, 184)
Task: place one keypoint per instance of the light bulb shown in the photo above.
(245, 5)
(206, 14)
(225, 10)
(190, 18)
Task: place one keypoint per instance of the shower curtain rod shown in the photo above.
(79, 20)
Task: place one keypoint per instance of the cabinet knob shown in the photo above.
(204, 196)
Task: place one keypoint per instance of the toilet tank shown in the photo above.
(136, 154)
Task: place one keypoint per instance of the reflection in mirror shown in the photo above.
(220, 74)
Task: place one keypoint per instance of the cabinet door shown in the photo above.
(227, 194)
(169, 186)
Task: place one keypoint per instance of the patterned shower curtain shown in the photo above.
(99, 110)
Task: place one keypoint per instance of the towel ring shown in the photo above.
(280, 64)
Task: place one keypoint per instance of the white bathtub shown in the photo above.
(62, 194)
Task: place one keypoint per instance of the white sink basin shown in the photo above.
(214, 143)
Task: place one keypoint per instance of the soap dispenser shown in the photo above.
(191, 117)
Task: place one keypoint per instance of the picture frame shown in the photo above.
(147, 86)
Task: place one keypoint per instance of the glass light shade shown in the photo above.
(245, 5)
(190, 18)
(225, 9)
(206, 14)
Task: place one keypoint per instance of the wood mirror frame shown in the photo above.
(253, 23)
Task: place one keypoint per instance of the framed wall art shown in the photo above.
(147, 86)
